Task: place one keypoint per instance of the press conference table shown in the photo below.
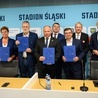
(14, 82)
(30, 88)
(58, 84)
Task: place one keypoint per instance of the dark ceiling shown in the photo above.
(28, 3)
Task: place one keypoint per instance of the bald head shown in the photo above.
(47, 31)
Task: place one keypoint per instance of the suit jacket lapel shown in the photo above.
(51, 34)
(73, 43)
(74, 35)
(8, 42)
(81, 36)
(58, 35)
(1, 42)
(97, 37)
(65, 43)
(51, 41)
(29, 37)
(43, 42)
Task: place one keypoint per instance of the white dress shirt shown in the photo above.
(48, 41)
(78, 36)
(55, 35)
(69, 43)
(4, 45)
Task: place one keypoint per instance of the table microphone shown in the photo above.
(83, 88)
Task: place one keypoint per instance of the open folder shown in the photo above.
(49, 54)
(69, 53)
(23, 43)
(4, 53)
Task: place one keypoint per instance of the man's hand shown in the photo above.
(41, 58)
(75, 59)
(28, 50)
(17, 42)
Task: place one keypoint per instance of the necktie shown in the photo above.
(46, 42)
(54, 35)
(77, 36)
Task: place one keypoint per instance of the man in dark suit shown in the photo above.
(83, 37)
(56, 33)
(26, 59)
(94, 46)
(72, 70)
(44, 69)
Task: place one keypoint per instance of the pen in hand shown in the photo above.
(59, 83)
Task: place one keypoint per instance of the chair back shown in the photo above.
(9, 69)
(94, 70)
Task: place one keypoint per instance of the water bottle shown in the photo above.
(48, 82)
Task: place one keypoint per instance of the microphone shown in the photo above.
(83, 88)
(41, 84)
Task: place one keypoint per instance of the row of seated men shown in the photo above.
(33, 57)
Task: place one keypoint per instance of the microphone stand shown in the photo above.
(83, 88)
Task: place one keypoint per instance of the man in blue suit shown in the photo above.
(56, 34)
(26, 58)
(72, 70)
(56, 31)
